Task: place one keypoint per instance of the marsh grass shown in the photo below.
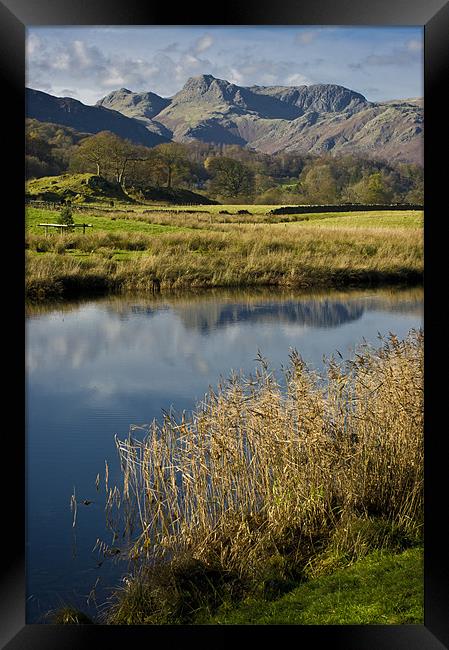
(68, 615)
(186, 250)
(272, 481)
(230, 256)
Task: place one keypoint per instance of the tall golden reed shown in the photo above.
(269, 466)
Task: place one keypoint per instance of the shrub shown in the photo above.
(65, 216)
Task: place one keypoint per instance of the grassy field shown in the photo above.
(100, 222)
(383, 219)
(186, 249)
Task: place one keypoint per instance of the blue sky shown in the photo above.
(89, 62)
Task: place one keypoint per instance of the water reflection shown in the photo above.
(96, 367)
(121, 323)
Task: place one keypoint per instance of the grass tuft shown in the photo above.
(68, 615)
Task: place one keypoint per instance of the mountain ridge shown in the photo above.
(317, 119)
(89, 119)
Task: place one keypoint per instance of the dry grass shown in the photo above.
(287, 471)
(193, 250)
(231, 256)
(212, 218)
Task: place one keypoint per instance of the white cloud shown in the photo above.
(61, 61)
(68, 92)
(114, 79)
(204, 43)
(192, 61)
(306, 37)
(33, 44)
(236, 77)
(94, 66)
(297, 79)
(250, 71)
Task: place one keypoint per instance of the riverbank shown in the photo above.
(383, 588)
(188, 250)
(266, 491)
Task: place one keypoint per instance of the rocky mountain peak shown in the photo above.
(206, 88)
(145, 104)
(327, 98)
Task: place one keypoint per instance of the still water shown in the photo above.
(96, 367)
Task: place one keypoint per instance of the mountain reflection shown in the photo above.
(163, 331)
(209, 315)
(312, 314)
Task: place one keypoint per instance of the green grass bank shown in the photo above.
(383, 588)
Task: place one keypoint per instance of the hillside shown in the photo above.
(89, 188)
(176, 196)
(79, 188)
(88, 119)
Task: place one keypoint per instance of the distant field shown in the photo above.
(381, 219)
(34, 216)
(233, 209)
(213, 209)
(205, 216)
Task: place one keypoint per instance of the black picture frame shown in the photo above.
(15, 16)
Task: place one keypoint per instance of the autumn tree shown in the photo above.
(121, 153)
(173, 159)
(106, 154)
(319, 185)
(94, 153)
(146, 169)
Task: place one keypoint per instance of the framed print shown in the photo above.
(232, 428)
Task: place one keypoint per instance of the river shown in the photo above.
(96, 367)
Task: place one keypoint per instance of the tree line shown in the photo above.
(227, 173)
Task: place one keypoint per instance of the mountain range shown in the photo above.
(316, 119)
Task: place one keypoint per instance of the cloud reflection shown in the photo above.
(113, 349)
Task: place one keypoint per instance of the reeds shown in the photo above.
(283, 467)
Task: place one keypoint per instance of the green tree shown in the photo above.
(319, 185)
(230, 178)
(377, 190)
(372, 189)
(36, 168)
(65, 216)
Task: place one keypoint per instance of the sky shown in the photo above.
(87, 63)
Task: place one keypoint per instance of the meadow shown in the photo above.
(187, 249)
